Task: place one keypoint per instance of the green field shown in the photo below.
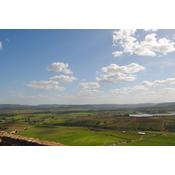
(158, 141)
(83, 127)
(73, 136)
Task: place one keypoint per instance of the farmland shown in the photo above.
(90, 127)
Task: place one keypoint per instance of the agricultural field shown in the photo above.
(72, 136)
(94, 127)
(158, 141)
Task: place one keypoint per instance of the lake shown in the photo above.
(150, 115)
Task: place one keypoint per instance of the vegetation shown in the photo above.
(84, 127)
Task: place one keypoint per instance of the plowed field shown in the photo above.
(118, 125)
(146, 120)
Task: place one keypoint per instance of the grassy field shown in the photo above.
(158, 141)
(73, 136)
(80, 127)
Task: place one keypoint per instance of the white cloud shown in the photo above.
(67, 71)
(88, 92)
(167, 90)
(131, 68)
(147, 47)
(46, 87)
(150, 92)
(117, 53)
(88, 85)
(0, 45)
(125, 90)
(122, 34)
(149, 30)
(83, 79)
(19, 95)
(138, 88)
(59, 67)
(42, 82)
(115, 73)
(159, 82)
(8, 40)
(118, 77)
(63, 78)
(12, 92)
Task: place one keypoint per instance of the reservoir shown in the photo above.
(150, 115)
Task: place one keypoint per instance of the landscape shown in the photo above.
(81, 87)
(92, 125)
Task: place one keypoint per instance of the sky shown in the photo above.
(87, 66)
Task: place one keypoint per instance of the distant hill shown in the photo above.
(89, 106)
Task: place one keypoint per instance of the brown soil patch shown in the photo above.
(118, 125)
(146, 120)
(14, 126)
(26, 115)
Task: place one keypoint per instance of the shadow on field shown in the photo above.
(45, 126)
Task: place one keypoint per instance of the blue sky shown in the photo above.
(87, 66)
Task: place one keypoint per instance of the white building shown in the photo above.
(141, 133)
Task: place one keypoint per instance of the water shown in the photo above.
(150, 115)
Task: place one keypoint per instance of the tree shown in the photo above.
(98, 122)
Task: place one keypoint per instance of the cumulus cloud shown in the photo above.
(59, 67)
(148, 47)
(159, 82)
(88, 92)
(46, 87)
(167, 90)
(115, 73)
(125, 90)
(19, 95)
(63, 78)
(150, 92)
(138, 88)
(0, 45)
(117, 53)
(83, 79)
(67, 71)
(88, 85)
(131, 68)
(12, 92)
(117, 77)
(122, 34)
(42, 82)
(150, 30)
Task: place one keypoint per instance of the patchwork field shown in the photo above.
(158, 141)
(90, 128)
(73, 136)
(146, 120)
